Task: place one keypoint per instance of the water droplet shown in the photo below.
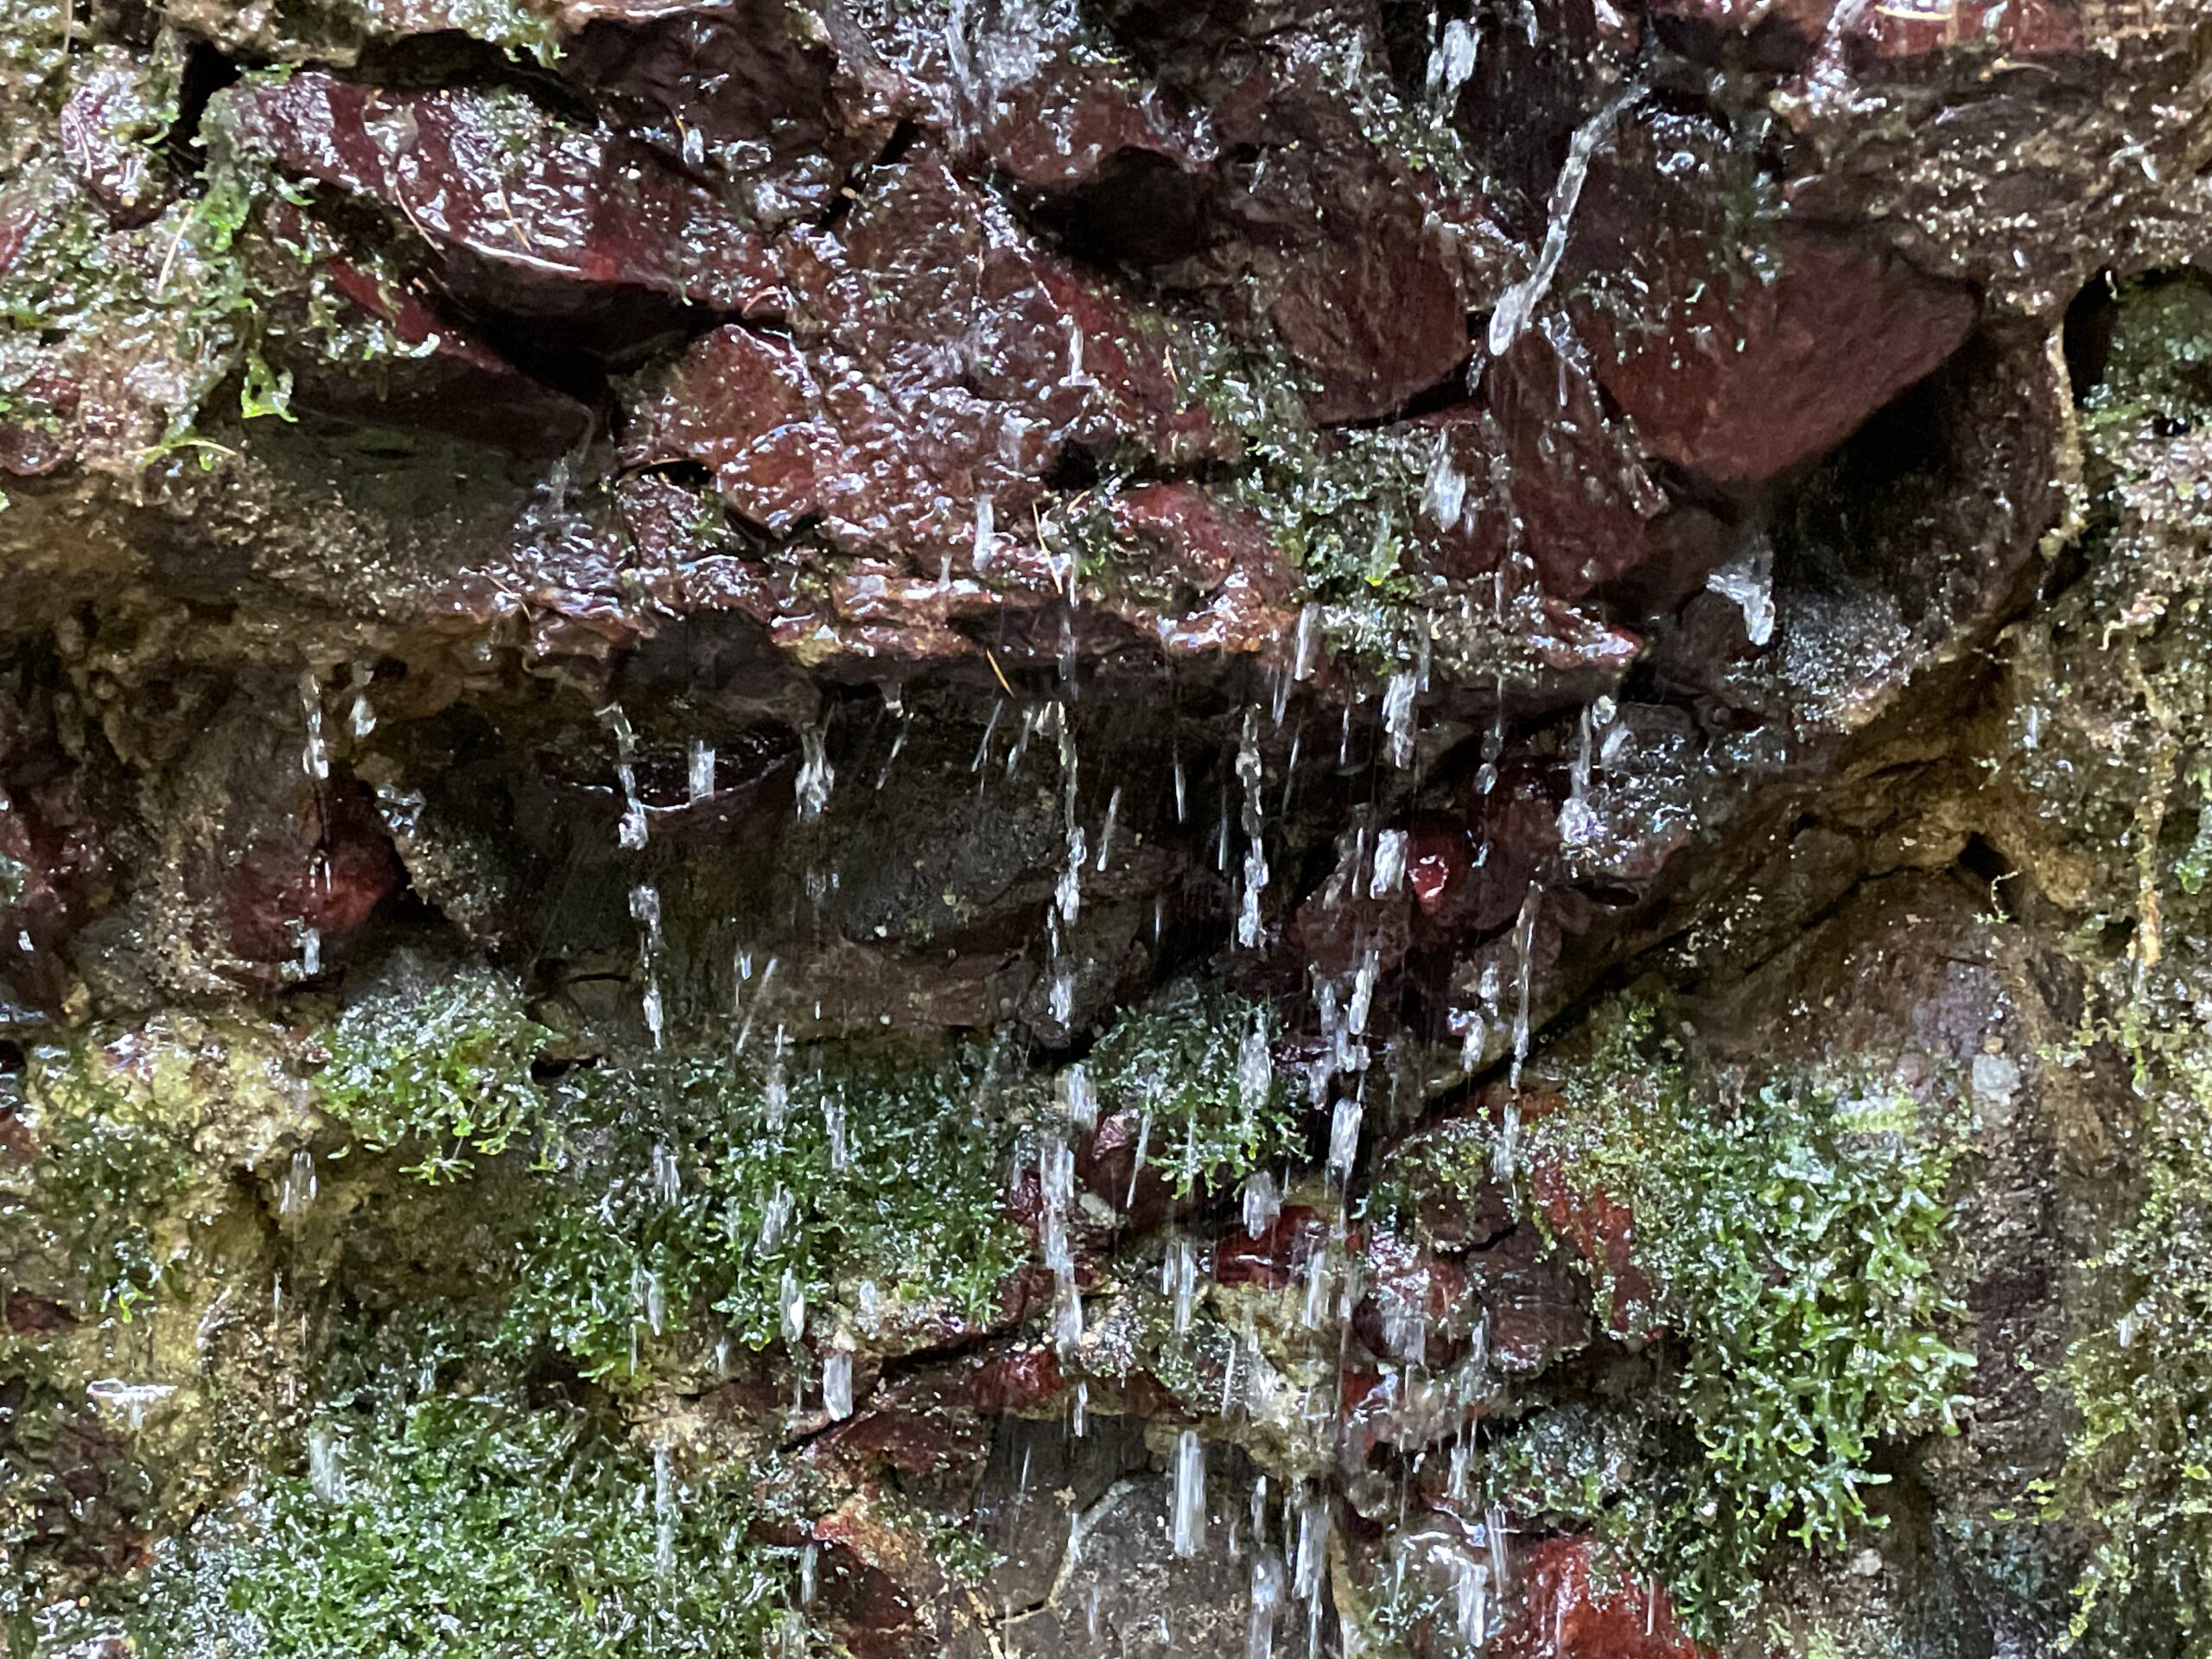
(326, 1464)
(1748, 580)
(792, 1302)
(837, 1383)
(1190, 1494)
(1519, 302)
(815, 774)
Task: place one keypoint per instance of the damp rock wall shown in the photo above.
(876, 827)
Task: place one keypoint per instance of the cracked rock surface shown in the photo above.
(913, 828)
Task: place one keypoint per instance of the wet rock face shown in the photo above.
(1070, 825)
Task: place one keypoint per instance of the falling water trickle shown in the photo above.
(1179, 1278)
(1451, 65)
(326, 1464)
(815, 774)
(630, 833)
(298, 1188)
(664, 1512)
(1080, 1097)
(1398, 717)
(837, 1383)
(1747, 580)
(1267, 1597)
(644, 910)
(1344, 1138)
(1519, 302)
(1252, 776)
(792, 1301)
(1263, 1203)
(1190, 1494)
(1579, 824)
(360, 713)
(314, 760)
(1524, 948)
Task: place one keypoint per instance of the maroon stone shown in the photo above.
(1362, 265)
(746, 405)
(22, 1314)
(1565, 1615)
(112, 112)
(1513, 831)
(787, 111)
(1743, 361)
(1273, 1259)
(1377, 313)
(1079, 110)
(1243, 586)
(942, 360)
(328, 871)
(462, 387)
(525, 210)
(1739, 388)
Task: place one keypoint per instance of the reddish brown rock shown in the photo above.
(1557, 494)
(1479, 879)
(531, 217)
(1058, 109)
(113, 113)
(746, 405)
(784, 100)
(1754, 347)
(1361, 266)
(1378, 314)
(1565, 1615)
(942, 361)
(326, 871)
(1228, 589)
(1784, 34)
(1273, 1259)
(1741, 389)
(450, 382)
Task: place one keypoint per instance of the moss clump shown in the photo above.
(92, 1219)
(1446, 1163)
(2110, 750)
(1792, 1234)
(473, 1525)
(172, 300)
(91, 1205)
(685, 1185)
(1339, 505)
(1177, 1061)
(442, 1068)
(2141, 1377)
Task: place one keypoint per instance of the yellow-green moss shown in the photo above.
(688, 1185)
(1174, 1061)
(1793, 1232)
(439, 1070)
(473, 1526)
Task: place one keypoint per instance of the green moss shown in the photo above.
(1336, 504)
(94, 1206)
(442, 1069)
(2111, 751)
(174, 299)
(1451, 1159)
(519, 26)
(2139, 1372)
(474, 1527)
(688, 1186)
(1792, 1233)
(1175, 1061)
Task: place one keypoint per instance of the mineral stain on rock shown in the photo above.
(891, 828)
